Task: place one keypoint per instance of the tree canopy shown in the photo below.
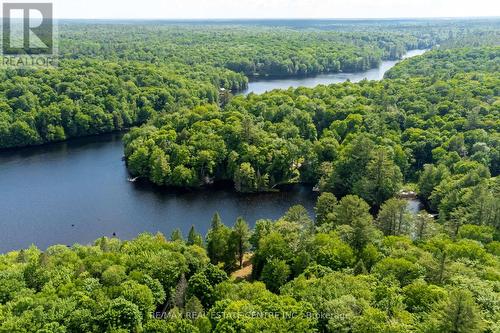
(364, 263)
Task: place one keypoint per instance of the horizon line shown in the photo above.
(280, 18)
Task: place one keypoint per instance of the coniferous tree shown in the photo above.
(218, 241)
(458, 314)
(394, 218)
(381, 181)
(325, 208)
(194, 238)
(176, 235)
(240, 237)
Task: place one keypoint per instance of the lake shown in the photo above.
(261, 86)
(78, 191)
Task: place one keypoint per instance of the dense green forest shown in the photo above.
(269, 50)
(348, 272)
(254, 52)
(201, 59)
(365, 139)
(85, 97)
(445, 64)
(363, 264)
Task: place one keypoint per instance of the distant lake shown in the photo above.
(263, 85)
(78, 191)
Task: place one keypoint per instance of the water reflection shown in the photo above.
(78, 191)
(261, 86)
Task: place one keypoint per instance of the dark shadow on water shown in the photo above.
(78, 191)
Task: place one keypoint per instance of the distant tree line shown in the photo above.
(118, 76)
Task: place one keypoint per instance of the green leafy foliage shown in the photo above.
(366, 264)
(443, 131)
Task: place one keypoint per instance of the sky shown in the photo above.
(199, 9)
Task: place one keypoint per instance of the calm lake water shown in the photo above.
(78, 191)
(261, 86)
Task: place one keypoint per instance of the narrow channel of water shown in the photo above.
(77, 191)
(261, 86)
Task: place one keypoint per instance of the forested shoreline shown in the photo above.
(362, 264)
(58, 107)
(346, 270)
(88, 97)
(367, 138)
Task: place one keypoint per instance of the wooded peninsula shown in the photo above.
(364, 263)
